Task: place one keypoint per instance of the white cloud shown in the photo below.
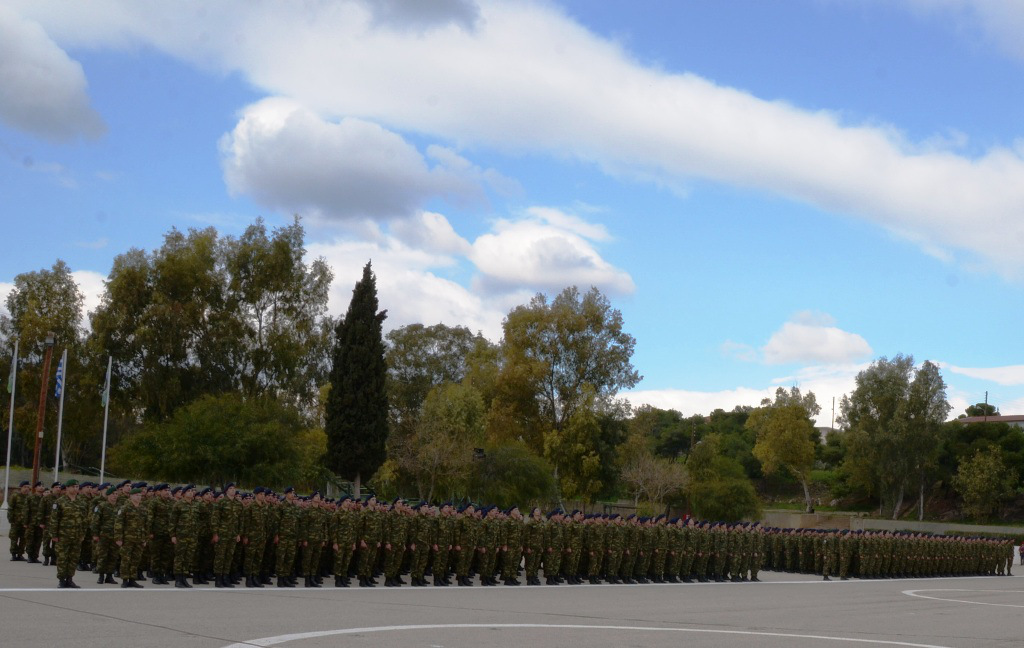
(826, 381)
(286, 157)
(1007, 375)
(407, 286)
(5, 290)
(545, 250)
(1002, 21)
(91, 285)
(44, 90)
(527, 78)
(431, 232)
(810, 338)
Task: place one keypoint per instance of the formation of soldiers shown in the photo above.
(135, 531)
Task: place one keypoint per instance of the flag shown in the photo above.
(14, 370)
(106, 389)
(60, 376)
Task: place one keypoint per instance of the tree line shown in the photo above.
(228, 367)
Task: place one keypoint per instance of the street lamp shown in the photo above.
(44, 379)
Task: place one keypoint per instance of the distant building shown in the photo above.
(1016, 420)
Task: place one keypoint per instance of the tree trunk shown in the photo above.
(899, 503)
(807, 495)
(355, 487)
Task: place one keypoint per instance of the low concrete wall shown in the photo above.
(796, 520)
(932, 527)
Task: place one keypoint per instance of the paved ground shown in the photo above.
(785, 611)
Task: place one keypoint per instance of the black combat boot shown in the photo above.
(100, 580)
(109, 580)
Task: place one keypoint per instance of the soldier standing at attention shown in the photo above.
(514, 541)
(68, 525)
(225, 523)
(17, 515)
(287, 536)
(131, 533)
(46, 508)
(343, 535)
(533, 545)
(464, 544)
(370, 541)
(445, 536)
(104, 514)
(254, 531)
(184, 529)
(161, 552)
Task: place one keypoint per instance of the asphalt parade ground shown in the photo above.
(783, 611)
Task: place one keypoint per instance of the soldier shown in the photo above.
(287, 538)
(533, 545)
(225, 522)
(17, 515)
(370, 541)
(104, 514)
(573, 548)
(161, 551)
(131, 533)
(513, 541)
(69, 523)
(423, 543)
(183, 526)
(343, 538)
(445, 538)
(464, 544)
(314, 538)
(202, 564)
(554, 533)
(45, 510)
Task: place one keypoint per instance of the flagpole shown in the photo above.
(10, 426)
(106, 411)
(62, 375)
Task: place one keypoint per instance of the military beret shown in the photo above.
(123, 482)
(161, 486)
(205, 491)
(105, 485)
(229, 485)
(140, 484)
(176, 490)
(39, 483)
(24, 483)
(71, 482)
(111, 490)
(56, 485)
(289, 489)
(135, 491)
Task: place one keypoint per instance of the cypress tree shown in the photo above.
(357, 405)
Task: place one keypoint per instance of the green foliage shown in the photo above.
(985, 482)
(724, 494)
(207, 315)
(223, 438)
(510, 474)
(438, 455)
(719, 488)
(648, 476)
(981, 409)
(357, 405)
(962, 441)
(785, 439)
(572, 451)
(894, 422)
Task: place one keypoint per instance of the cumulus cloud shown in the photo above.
(44, 90)
(546, 249)
(431, 232)
(527, 78)
(811, 338)
(407, 284)
(92, 287)
(424, 14)
(826, 381)
(1009, 375)
(288, 158)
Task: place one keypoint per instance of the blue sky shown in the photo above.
(772, 193)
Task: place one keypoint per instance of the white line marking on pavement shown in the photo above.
(299, 636)
(917, 594)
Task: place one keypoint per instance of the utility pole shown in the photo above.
(44, 379)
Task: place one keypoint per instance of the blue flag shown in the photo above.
(60, 376)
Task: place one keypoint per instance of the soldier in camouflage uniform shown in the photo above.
(370, 541)
(161, 551)
(225, 521)
(572, 553)
(254, 537)
(445, 537)
(45, 510)
(69, 523)
(313, 532)
(423, 544)
(464, 544)
(533, 545)
(131, 533)
(554, 549)
(513, 541)
(344, 532)
(17, 515)
(183, 526)
(104, 514)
